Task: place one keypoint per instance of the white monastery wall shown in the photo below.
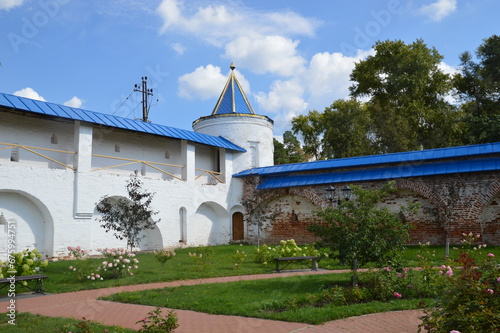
(53, 206)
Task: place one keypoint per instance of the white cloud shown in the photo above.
(438, 10)
(447, 69)
(178, 48)
(9, 4)
(269, 54)
(327, 77)
(285, 100)
(29, 93)
(207, 82)
(219, 24)
(74, 102)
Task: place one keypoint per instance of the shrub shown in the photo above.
(163, 256)
(202, 257)
(238, 259)
(157, 323)
(469, 301)
(119, 262)
(288, 248)
(26, 262)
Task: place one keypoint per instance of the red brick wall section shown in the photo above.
(454, 204)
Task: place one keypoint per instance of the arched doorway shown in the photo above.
(238, 227)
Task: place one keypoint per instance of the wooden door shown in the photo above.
(238, 226)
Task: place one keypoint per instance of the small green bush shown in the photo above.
(469, 300)
(26, 262)
(158, 323)
(286, 248)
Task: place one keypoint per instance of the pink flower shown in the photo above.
(498, 279)
(491, 255)
(70, 267)
(440, 272)
(387, 269)
(454, 331)
(398, 295)
(490, 291)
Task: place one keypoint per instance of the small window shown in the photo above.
(167, 155)
(14, 154)
(117, 148)
(54, 139)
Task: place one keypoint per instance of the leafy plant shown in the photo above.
(128, 217)
(360, 231)
(158, 323)
(469, 300)
(118, 263)
(163, 256)
(238, 258)
(286, 248)
(26, 262)
(202, 257)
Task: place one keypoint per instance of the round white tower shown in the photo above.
(234, 119)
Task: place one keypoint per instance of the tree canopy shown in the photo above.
(290, 151)
(407, 103)
(342, 130)
(478, 86)
(406, 90)
(359, 231)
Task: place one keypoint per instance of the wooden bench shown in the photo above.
(37, 289)
(301, 260)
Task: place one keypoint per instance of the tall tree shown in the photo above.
(342, 130)
(290, 151)
(406, 91)
(128, 217)
(478, 86)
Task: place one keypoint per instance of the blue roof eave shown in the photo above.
(435, 169)
(62, 111)
(410, 158)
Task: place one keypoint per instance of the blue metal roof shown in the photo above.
(373, 160)
(62, 111)
(443, 168)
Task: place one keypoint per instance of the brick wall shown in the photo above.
(452, 204)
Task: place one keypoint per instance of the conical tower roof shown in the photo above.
(232, 99)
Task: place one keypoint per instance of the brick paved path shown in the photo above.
(85, 304)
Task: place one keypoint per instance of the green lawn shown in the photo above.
(258, 298)
(182, 267)
(30, 323)
(262, 299)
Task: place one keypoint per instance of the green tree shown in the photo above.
(360, 231)
(290, 151)
(478, 86)
(342, 130)
(128, 217)
(406, 91)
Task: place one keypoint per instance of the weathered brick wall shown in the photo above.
(452, 204)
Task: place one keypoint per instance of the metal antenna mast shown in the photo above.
(145, 93)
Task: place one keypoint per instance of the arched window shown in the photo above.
(182, 225)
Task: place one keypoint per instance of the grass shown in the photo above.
(262, 298)
(30, 323)
(182, 267)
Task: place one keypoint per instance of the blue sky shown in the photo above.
(291, 56)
